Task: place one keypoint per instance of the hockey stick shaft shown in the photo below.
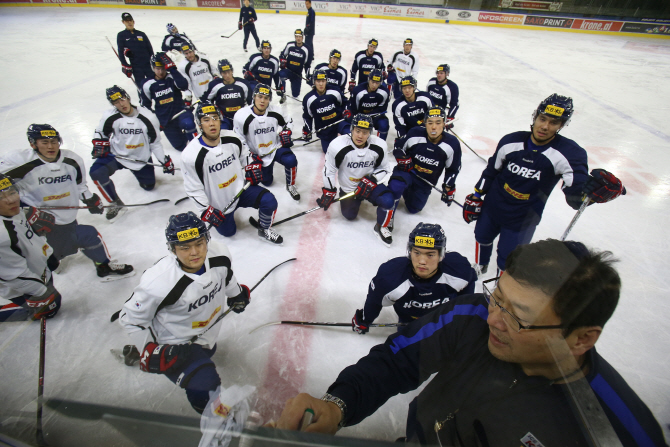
(227, 37)
(40, 384)
(237, 196)
(145, 162)
(319, 323)
(374, 115)
(579, 212)
(433, 186)
(106, 206)
(255, 223)
(466, 145)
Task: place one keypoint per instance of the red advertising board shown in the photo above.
(596, 25)
(219, 3)
(492, 17)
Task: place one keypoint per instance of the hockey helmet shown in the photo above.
(376, 75)
(363, 121)
(335, 53)
(265, 44)
(408, 41)
(156, 61)
(428, 236)
(224, 65)
(204, 108)
(556, 106)
(116, 92)
(443, 67)
(408, 80)
(436, 111)
(299, 32)
(184, 228)
(186, 47)
(172, 29)
(7, 185)
(320, 75)
(373, 41)
(42, 131)
(263, 89)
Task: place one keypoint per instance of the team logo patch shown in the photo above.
(204, 82)
(48, 133)
(59, 196)
(264, 90)
(377, 78)
(440, 68)
(433, 112)
(265, 145)
(422, 241)
(553, 110)
(209, 109)
(185, 47)
(5, 183)
(422, 169)
(405, 82)
(188, 234)
(374, 42)
(45, 247)
(199, 324)
(531, 441)
(321, 76)
(516, 194)
(363, 124)
(134, 146)
(166, 100)
(223, 185)
(115, 96)
(331, 116)
(225, 68)
(233, 109)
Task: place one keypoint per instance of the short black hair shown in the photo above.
(584, 284)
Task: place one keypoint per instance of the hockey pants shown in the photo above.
(381, 197)
(295, 78)
(486, 230)
(381, 125)
(67, 239)
(226, 123)
(198, 376)
(250, 29)
(254, 197)
(103, 168)
(328, 135)
(414, 191)
(284, 156)
(179, 130)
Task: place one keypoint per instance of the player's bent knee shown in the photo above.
(266, 202)
(386, 200)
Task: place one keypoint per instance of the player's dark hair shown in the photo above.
(584, 284)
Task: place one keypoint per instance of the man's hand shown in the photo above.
(168, 166)
(327, 415)
(100, 147)
(352, 86)
(94, 204)
(127, 70)
(167, 62)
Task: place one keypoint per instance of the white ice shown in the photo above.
(56, 67)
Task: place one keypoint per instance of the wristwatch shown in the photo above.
(340, 404)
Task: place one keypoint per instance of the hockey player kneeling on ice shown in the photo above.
(52, 177)
(361, 163)
(410, 109)
(426, 152)
(179, 298)
(165, 90)
(26, 259)
(133, 134)
(371, 98)
(336, 75)
(198, 71)
(444, 92)
(228, 93)
(216, 167)
(265, 133)
(419, 282)
(522, 173)
(324, 106)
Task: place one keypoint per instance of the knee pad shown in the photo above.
(266, 202)
(198, 379)
(288, 159)
(228, 228)
(397, 184)
(147, 187)
(386, 200)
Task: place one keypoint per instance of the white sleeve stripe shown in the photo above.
(454, 282)
(397, 293)
(561, 165)
(502, 153)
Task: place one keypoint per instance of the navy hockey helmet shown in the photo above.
(262, 89)
(115, 92)
(408, 80)
(376, 75)
(320, 75)
(7, 185)
(363, 121)
(172, 29)
(556, 106)
(335, 53)
(184, 228)
(224, 65)
(427, 236)
(265, 44)
(186, 47)
(41, 131)
(203, 108)
(436, 111)
(373, 41)
(156, 61)
(443, 67)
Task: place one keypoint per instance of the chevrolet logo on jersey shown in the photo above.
(209, 109)
(115, 96)
(188, 234)
(553, 110)
(134, 146)
(45, 247)
(422, 241)
(48, 133)
(265, 145)
(222, 410)
(166, 100)
(233, 109)
(223, 185)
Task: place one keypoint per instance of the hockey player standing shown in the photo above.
(165, 89)
(310, 26)
(337, 75)
(133, 134)
(409, 110)
(364, 62)
(294, 58)
(50, 176)
(361, 163)
(520, 176)
(134, 45)
(265, 133)
(263, 68)
(216, 170)
(427, 277)
(247, 20)
(197, 70)
(404, 63)
(180, 298)
(444, 92)
(371, 98)
(26, 260)
(228, 93)
(323, 105)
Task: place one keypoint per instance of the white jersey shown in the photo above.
(135, 136)
(170, 306)
(199, 75)
(260, 133)
(23, 258)
(352, 163)
(405, 64)
(214, 175)
(59, 183)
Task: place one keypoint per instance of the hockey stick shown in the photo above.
(106, 206)
(140, 161)
(181, 200)
(466, 145)
(227, 37)
(255, 223)
(433, 186)
(39, 435)
(117, 55)
(196, 337)
(579, 212)
(316, 323)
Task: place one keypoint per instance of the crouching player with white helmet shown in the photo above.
(217, 168)
(173, 312)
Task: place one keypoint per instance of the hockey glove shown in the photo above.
(252, 172)
(390, 69)
(213, 216)
(602, 186)
(358, 324)
(248, 75)
(282, 63)
(366, 186)
(449, 124)
(448, 194)
(127, 70)
(40, 221)
(94, 204)
(239, 302)
(327, 198)
(347, 115)
(128, 53)
(239, 25)
(130, 355)
(168, 166)
(100, 147)
(167, 62)
(163, 359)
(53, 263)
(306, 133)
(285, 138)
(352, 86)
(252, 20)
(472, 208)
(48, 297)
(405, 163)
(385, 75)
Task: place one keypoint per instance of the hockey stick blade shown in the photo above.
(319, 323)
(118, 355)
(254, 223)
(181, 200)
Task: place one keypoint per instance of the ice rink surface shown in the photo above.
(57, 66)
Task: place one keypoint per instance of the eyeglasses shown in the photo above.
(510, 320)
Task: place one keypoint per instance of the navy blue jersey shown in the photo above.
(362, 101)
(322, 109)
(490, 401)
(412, 297)
(140, 48)
(336, 78)
(297, 57)
(264, 70)
(445, 96)
(247, 13)
(167, 95)
(364, 64)
(520, 176)
(410, 114)
(430, 159)
(174, 42)
(310, 23)
(229, 98)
